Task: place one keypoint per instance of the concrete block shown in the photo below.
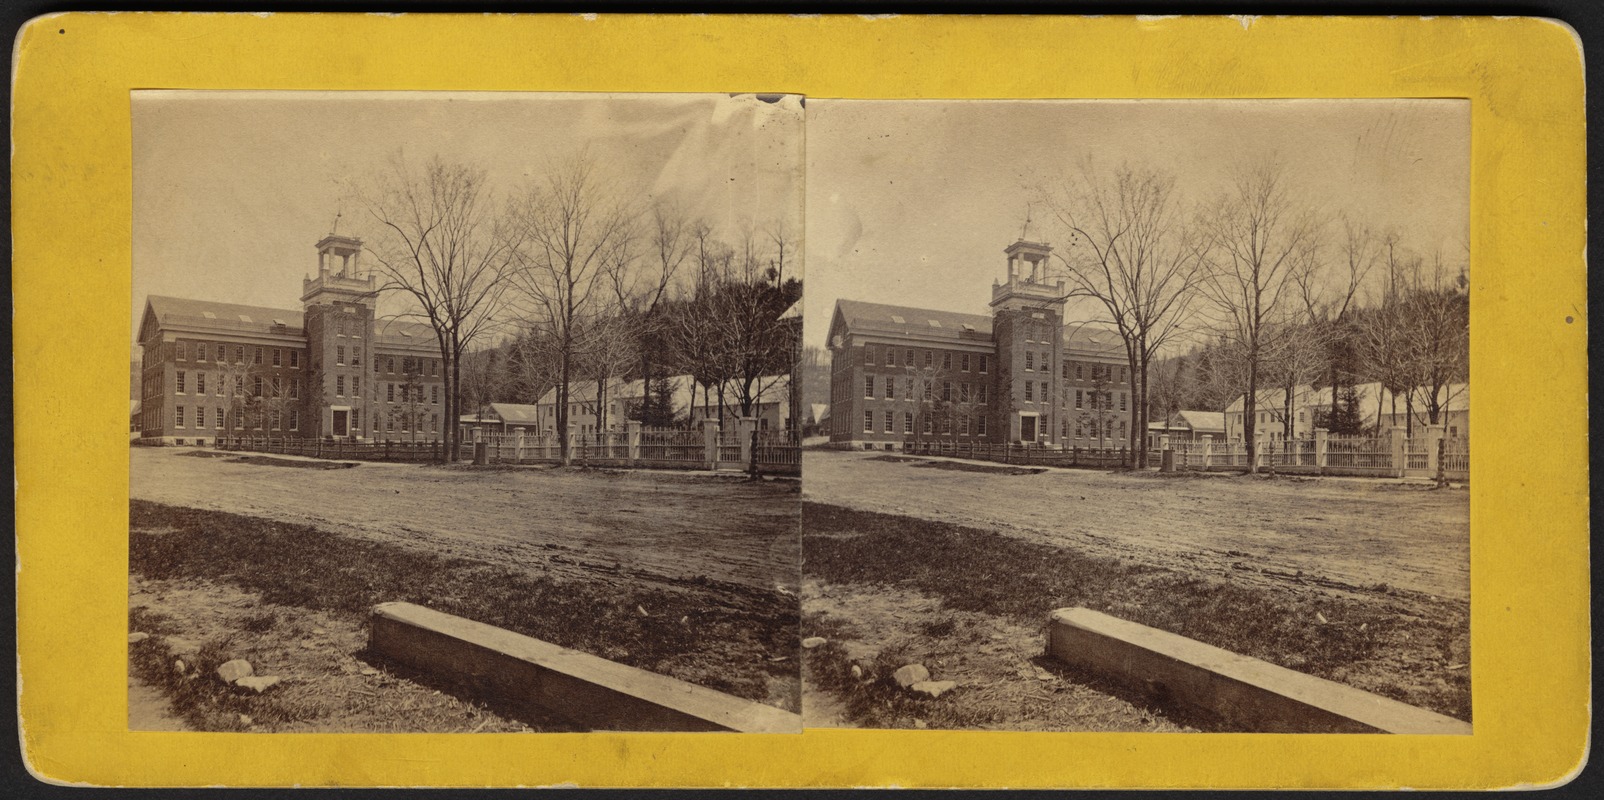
(1245, 692)
(548, 679)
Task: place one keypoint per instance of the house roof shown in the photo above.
(772, 389)
(818, 412)
(858, 315)
(404, 334)
(1203, 420)
(206, 315)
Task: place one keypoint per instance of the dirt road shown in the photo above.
(1252, 528)
(665, 529)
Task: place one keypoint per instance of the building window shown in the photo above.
(239, 419)
(1030, 361)
(1122, 399)
(890, 421)
(179, 382)
(1030, 391)
(980, 394)
(1121, 374)
(963, 362)
(928, 356)
(239, 384)
(927, 389)
(1063, 429)
(257, 358)
(946, 361)
(295, 359)
(927, 427)
(275, 419)
(200, 351)
(239, 354)
(178, 416)
(339, 356)
(963, 425)
(179, 351)
(217, 417)
(946, 425)
(356, 385)
(980, 425)
(356, 356)
(389, 364)
(983, 360)
(1122, 429)
(891, 388)
(434, 423)
(389, 424)
(295, 390)
(963, 392)
(868, 354)
(222, 354)
(278, 357)
(1046, 394)
(256, 386)
(389, 393)
(907, 422)
(434, 395)
(200, 383)
(356, 419)
(907, 357)
(1080, 396)
(946, 391)
(339, 386)
(200, 416)
(1080, 430)
(868, 422)
(278, 386)
(295, 419)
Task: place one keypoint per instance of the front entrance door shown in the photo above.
(341, 423)
(1027, 429)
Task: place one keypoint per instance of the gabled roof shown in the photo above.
(856, 316)
(206, 315)
(1208, 421)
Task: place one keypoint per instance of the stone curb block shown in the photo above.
(548, 679)
(1243, 691)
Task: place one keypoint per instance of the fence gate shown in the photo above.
(1417, 462)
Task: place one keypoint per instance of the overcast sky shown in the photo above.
(912, 202)
(233, 189)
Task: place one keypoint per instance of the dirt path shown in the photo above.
(1356, 532)
(149, 709)
(667, 529)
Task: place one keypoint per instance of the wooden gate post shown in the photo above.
(710, 442)
(1321, 442)
(1400, 450)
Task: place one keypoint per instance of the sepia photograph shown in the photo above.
(1138, 416)
(465, 412)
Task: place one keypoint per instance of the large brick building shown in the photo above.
(1022, 374)
(330, 369)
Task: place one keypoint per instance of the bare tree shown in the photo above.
(1260, 236)
(1132, 253)
(441, 245)
(572, 223)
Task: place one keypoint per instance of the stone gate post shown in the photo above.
(632, 440)
(744, 428)
(1208, 449)
(1400, 454)
(1321, 440)
(710, 435)
(518, 446)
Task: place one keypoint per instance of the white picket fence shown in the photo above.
(1396, 455)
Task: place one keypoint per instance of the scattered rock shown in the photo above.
(178, 666)
(921, 724)
(369, 671)
(137, 637)
(934, 688)
(1321, 617)
(813, 641)
(319, 630)
(260, 683)
(685, 619)
(179, 645)
(642, 610)
(245, 719)
(232, 671)
(910, 674)
(857, 672)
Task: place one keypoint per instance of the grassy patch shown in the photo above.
(723, 636)
(1408, 647)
